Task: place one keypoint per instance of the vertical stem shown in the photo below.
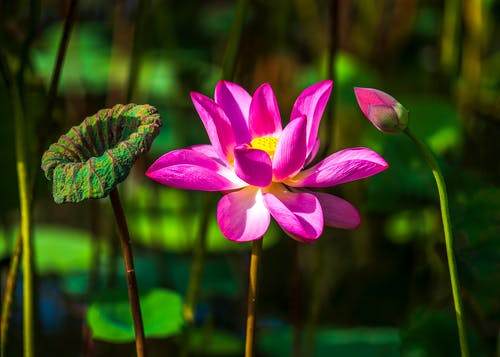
(128, 259)
(9, 292)
(229, 62)
(449, 36)
(252, 296)
(195, 276)
(24, 203)
(315, 303)
(61, 52)
(295, 302)
(474, 22)
(445, 215)
(136, 54)
(331, 73)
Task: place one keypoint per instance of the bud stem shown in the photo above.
(445, 215)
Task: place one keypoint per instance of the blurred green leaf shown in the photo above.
(169, 219)
(219, 277)
(58, 249)
(209, 342)
(403, 226)
(476, 221)
(88, 63)
(430, 332)
(359, 342)
(110, 319)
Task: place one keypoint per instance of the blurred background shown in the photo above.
(382, 290)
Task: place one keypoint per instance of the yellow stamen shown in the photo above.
(265, 143)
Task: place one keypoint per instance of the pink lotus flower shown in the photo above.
(259, 166)
(385, 112)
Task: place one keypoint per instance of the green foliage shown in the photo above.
(169, 219)
(220, 277)
(109, 317)
(58, 249)
(359, 342)
(214, 342)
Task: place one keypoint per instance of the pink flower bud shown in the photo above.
(385, 112)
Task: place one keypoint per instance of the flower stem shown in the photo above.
(445, 215)
(252, 296)
(128, 259)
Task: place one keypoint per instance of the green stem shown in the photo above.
(9, 292)
(24, 203)
(61, 53)
(195, 276)
(229, 63)
(128, 260)
(445, 215)
(449, 36)
(25, 224)
(315, 303)
(135, 60)
(252, 296)
(333, 49)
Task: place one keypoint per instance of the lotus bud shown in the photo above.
(385, 112)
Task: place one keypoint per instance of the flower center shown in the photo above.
(265, 143)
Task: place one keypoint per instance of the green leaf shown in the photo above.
(110, 319)
(169, 219)
(58, 249)
(358, 341)
(208, 342)
(219, 278)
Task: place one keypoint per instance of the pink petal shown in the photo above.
(299, 214)
(192, 170)
(264, 118)
(216, 124)
(337, 212)
(343, 166)
(291, 150)
(208, 150)
(311, 103)
(242, 215)
(235, 101)
(314, 151)
(253, 166)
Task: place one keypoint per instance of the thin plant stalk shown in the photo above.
(331, 59)
(9, 292)
(315, 303)
(449, 48)
(448, 236)
(315, 300)
(135, 60)
(61, 53)
(128, 260)
(231, 53)
(24, 203)
(195, 277)
(296, 303)
(252, 296)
